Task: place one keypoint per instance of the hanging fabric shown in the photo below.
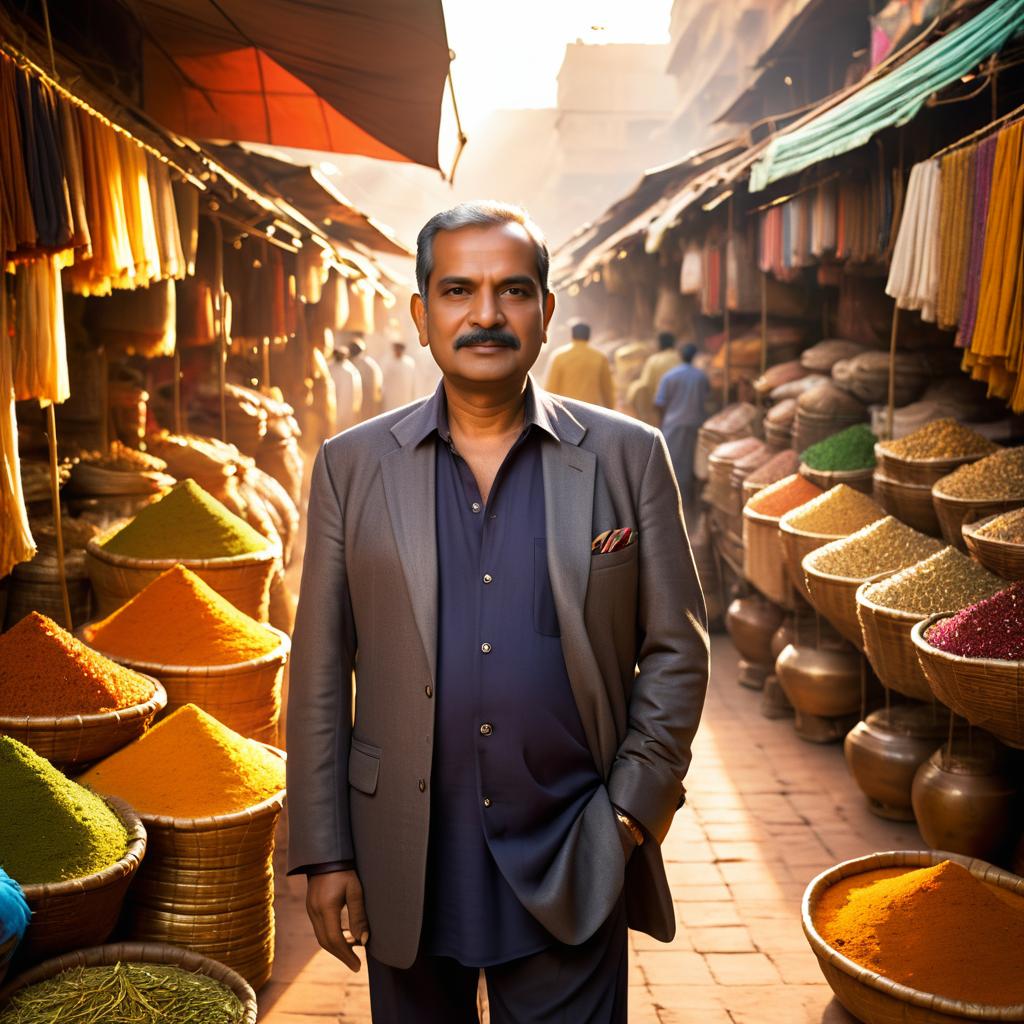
(17, 221)
(983, 164)
(914, 274)
(954, 232)
(40, 348)
(165, 218)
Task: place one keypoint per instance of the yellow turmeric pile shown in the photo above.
(938, 930)
(189, 766)
(180, 620)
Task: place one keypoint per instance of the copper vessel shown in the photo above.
(752, 675)
(751, 621)
(963, 801)
(774, 702)
(884, 750)
(826, 683)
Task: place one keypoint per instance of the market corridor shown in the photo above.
(765, 813)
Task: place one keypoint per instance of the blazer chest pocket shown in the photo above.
(363, 767)
(624, 556)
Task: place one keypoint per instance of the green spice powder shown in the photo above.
(186, 523)
(51, 829)
(850, 449)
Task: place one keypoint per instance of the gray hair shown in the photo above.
(477, 213)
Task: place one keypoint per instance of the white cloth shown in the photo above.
(348, 389)
(914, 273)
(399, 381)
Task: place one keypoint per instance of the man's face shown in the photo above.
(485, 318)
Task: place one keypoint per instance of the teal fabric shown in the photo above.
(14, 912)
(891, 100)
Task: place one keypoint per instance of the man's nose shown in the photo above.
(486, 311)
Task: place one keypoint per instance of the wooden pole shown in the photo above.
(764, 330)
(222, 327)
(51, 429)
(890, 412)
(177, 389)
(726, 325)
(265, 371)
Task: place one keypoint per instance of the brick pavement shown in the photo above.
(765, 813)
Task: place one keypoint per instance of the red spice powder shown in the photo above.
(784, 496)
(46, 672)
(993, 628)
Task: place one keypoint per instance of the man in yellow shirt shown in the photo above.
(640, 397)
(578, 371)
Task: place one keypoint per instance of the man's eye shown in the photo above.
(515, 290)
(456, 290)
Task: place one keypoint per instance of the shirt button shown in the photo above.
(475, 506)
(429, 691)
(488, 578)
(486, 729)
(487, 801)
(422, 785)
(486, 648)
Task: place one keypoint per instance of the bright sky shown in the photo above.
(508, 55)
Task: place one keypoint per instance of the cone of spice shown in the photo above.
(1008, 527)
(778, 466)
(992, 628)
(178, 619)
(883, 546)
(45, 672)
(940, 439)
(939, 930)
(837, 512)
(779, 498)
(850, 449)
(997, 477)
(51, 829)
(187, 523)
(943, 582)
(189, 766)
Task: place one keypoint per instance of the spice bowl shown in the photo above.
(910, 502)
(954, 512)
(1002, 557)
(988, 692)
(858, 479)
(797, 545)
(139, 953)
(835, 597)
(78, 740)
(918, 471)
(873, 998)
(83, 911)
(763, 563)
(889, 648)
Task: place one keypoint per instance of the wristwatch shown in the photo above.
(631, 827)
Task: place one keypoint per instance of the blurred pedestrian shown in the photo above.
(399, 372)
(681, 402)
(578, 371)
(643, 390)
(348, 389)
(372, 377)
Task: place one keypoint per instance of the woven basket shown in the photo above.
(908, 501)
(835, 597)
(245, 696)
(6, 952)
(918, 471)
(208, 885)
(858, 479)
(82, 911)
(88, 479)
(139, 953)
(81, 739)
(243, 579)
(872, 998)
(797, 545)
(764, 563)
(1002, 557)
(889, 648)
(987, 692)
(954, 512)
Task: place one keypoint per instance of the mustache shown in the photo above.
(487, 336)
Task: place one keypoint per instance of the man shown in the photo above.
(578, 371)
(645, 387)
(348, 389)
(399, 373)
(372, 378)
(681, 399)
(509, 576)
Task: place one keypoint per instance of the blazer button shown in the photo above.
(486, 729)
(429, 691)
(487, 801)
(423, 785)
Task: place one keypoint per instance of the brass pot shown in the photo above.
(821, 729)
(824, 683)
(751, 621)
(963, 802)
(884, 751)
(751, 675)
(782, 637)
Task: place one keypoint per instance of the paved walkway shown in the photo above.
(765, 813)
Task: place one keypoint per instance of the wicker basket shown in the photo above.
(954, 512)
(987, 692)
(82, 911)
(245, 696)
(878, 1000)
(764, 563)
(797, 545)
(858, 479)
(243, 579)
(75, 740)
(907, 501)
(208, 885)
(918, 471)
(89, 479)
(889, 648)
(1002, 557)
(6, 952)
(139, 953)
(835, 597)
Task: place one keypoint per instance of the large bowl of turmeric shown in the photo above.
(919, 937)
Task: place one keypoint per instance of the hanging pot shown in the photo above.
(963, 801)
(884, 751)
(751, 621)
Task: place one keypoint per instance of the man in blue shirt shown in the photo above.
(507, 574)
(681, 400)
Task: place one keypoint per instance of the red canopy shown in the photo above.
(343, 76)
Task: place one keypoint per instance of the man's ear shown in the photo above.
(549, 312)
(418, 311)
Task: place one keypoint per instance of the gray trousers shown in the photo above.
(585, 984)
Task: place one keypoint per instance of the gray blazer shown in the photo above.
(634, 638)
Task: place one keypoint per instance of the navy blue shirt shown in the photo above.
(512, 770)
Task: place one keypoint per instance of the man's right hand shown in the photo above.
(327, 895)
